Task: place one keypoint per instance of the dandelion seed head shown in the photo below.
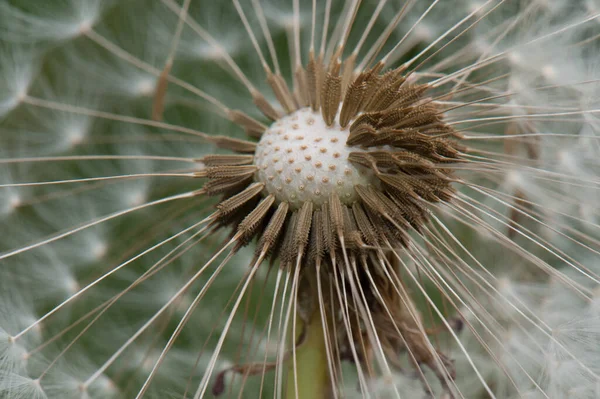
(401, 183)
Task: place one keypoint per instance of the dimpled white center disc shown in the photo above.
(301, 159)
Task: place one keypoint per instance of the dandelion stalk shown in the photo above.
(310, 371)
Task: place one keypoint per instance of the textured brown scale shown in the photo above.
(303, 224)
(407, 158)
(408, 95)
(400, 184)
(231, 204)
(217, 172)
(251, 222)
(287, 253)
(329, 237)
(388, 216)
(272, 232)
(367, 119)
(335, 213)
(417, 118)
(352, 101)
(351, 232)
(449, 149)
(397, 117)
(409, 140)
(302, 96)
(226, 159)
(367, 197)
(391, 208)
(385, 137)
(265, 107)
(348, 71)
(252, 127)
(398, 158)
(364, 225)
(390, 233)
(357, 94)
(313, 71)
(236, 145)
(282, 92)
(381, 205)
(363, 135)
(373, 80)
(364, 159)
(380, 225)
(413, 212)
(331, 93)
(317, 241)
(386, 95)
(378, 82)
(222, 185)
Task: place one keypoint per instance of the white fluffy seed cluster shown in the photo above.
(548, 343)
(302, 159)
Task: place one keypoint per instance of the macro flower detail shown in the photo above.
(363, 184)
(320, 199)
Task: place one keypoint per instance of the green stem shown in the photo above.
(311, 363)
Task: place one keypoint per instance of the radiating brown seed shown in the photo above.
(317, 241)
(282, 92)
(302, 96)
(302, 232)
(236, 145)
(221, 185)
(364, 225)
(272, 232)
(386, 95)
(226, 159)
(217, 172)
(352, 101)
(331, 92)
(251, 222)
(348, 71)
(353, 236)
(335, 213)
(252, 127)
(233, 203)
(409, 95)
(287, 253)
(329, 237)
(264, 106)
